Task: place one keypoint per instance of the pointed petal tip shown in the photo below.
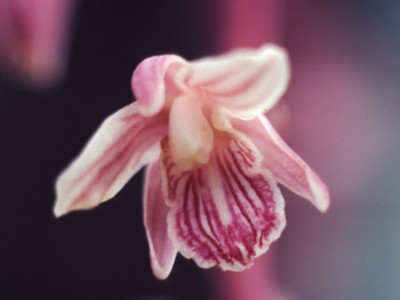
(162, 251)
(162, 259)
(160, 272)
(320, 192)
(60, 209)
(322, 204)
(288, 168)
(324, 201)
(58, 212)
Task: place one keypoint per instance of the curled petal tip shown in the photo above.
(148, 83)
(245, 82)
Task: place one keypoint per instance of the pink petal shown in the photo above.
(286, 166)
(162, 252)
(224, 213)
(245, 82)
(122, 145)
(149, 82)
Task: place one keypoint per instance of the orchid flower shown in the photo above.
(213, 159)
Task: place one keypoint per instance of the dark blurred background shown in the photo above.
(99, 254)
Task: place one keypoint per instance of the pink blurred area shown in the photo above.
(247, 23)
(340, 125)
(332, 116)
(34, 38)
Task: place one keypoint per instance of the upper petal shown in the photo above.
(162, 252)
(226, 212)
(245, 82)
(121, 146)
(286, 166)
(149, 84)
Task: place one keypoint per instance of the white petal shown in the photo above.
(287, 167)
(245, 82)
(123, 144)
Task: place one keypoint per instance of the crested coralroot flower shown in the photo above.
(213, 158)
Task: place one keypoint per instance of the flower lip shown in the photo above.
(225, 213)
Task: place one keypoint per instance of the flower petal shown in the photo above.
(162, 252)
(148, 82)
(286, 166)
(226, 212)
(245, 82)
(191, 136)
(122, 145)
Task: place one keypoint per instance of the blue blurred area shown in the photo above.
(353, 251)
(379, 220)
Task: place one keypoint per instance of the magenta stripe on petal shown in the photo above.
(227, 212)
(286, 166)
(124, 143)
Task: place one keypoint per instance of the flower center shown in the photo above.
(191, 135)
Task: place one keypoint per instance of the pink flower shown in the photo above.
(213, 158)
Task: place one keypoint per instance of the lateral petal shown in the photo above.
(287, 167)
(162, 252)
(224, 213)
(245, 82)
(149, 82)
(121, 146)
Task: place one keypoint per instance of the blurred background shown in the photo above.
(66, 65)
